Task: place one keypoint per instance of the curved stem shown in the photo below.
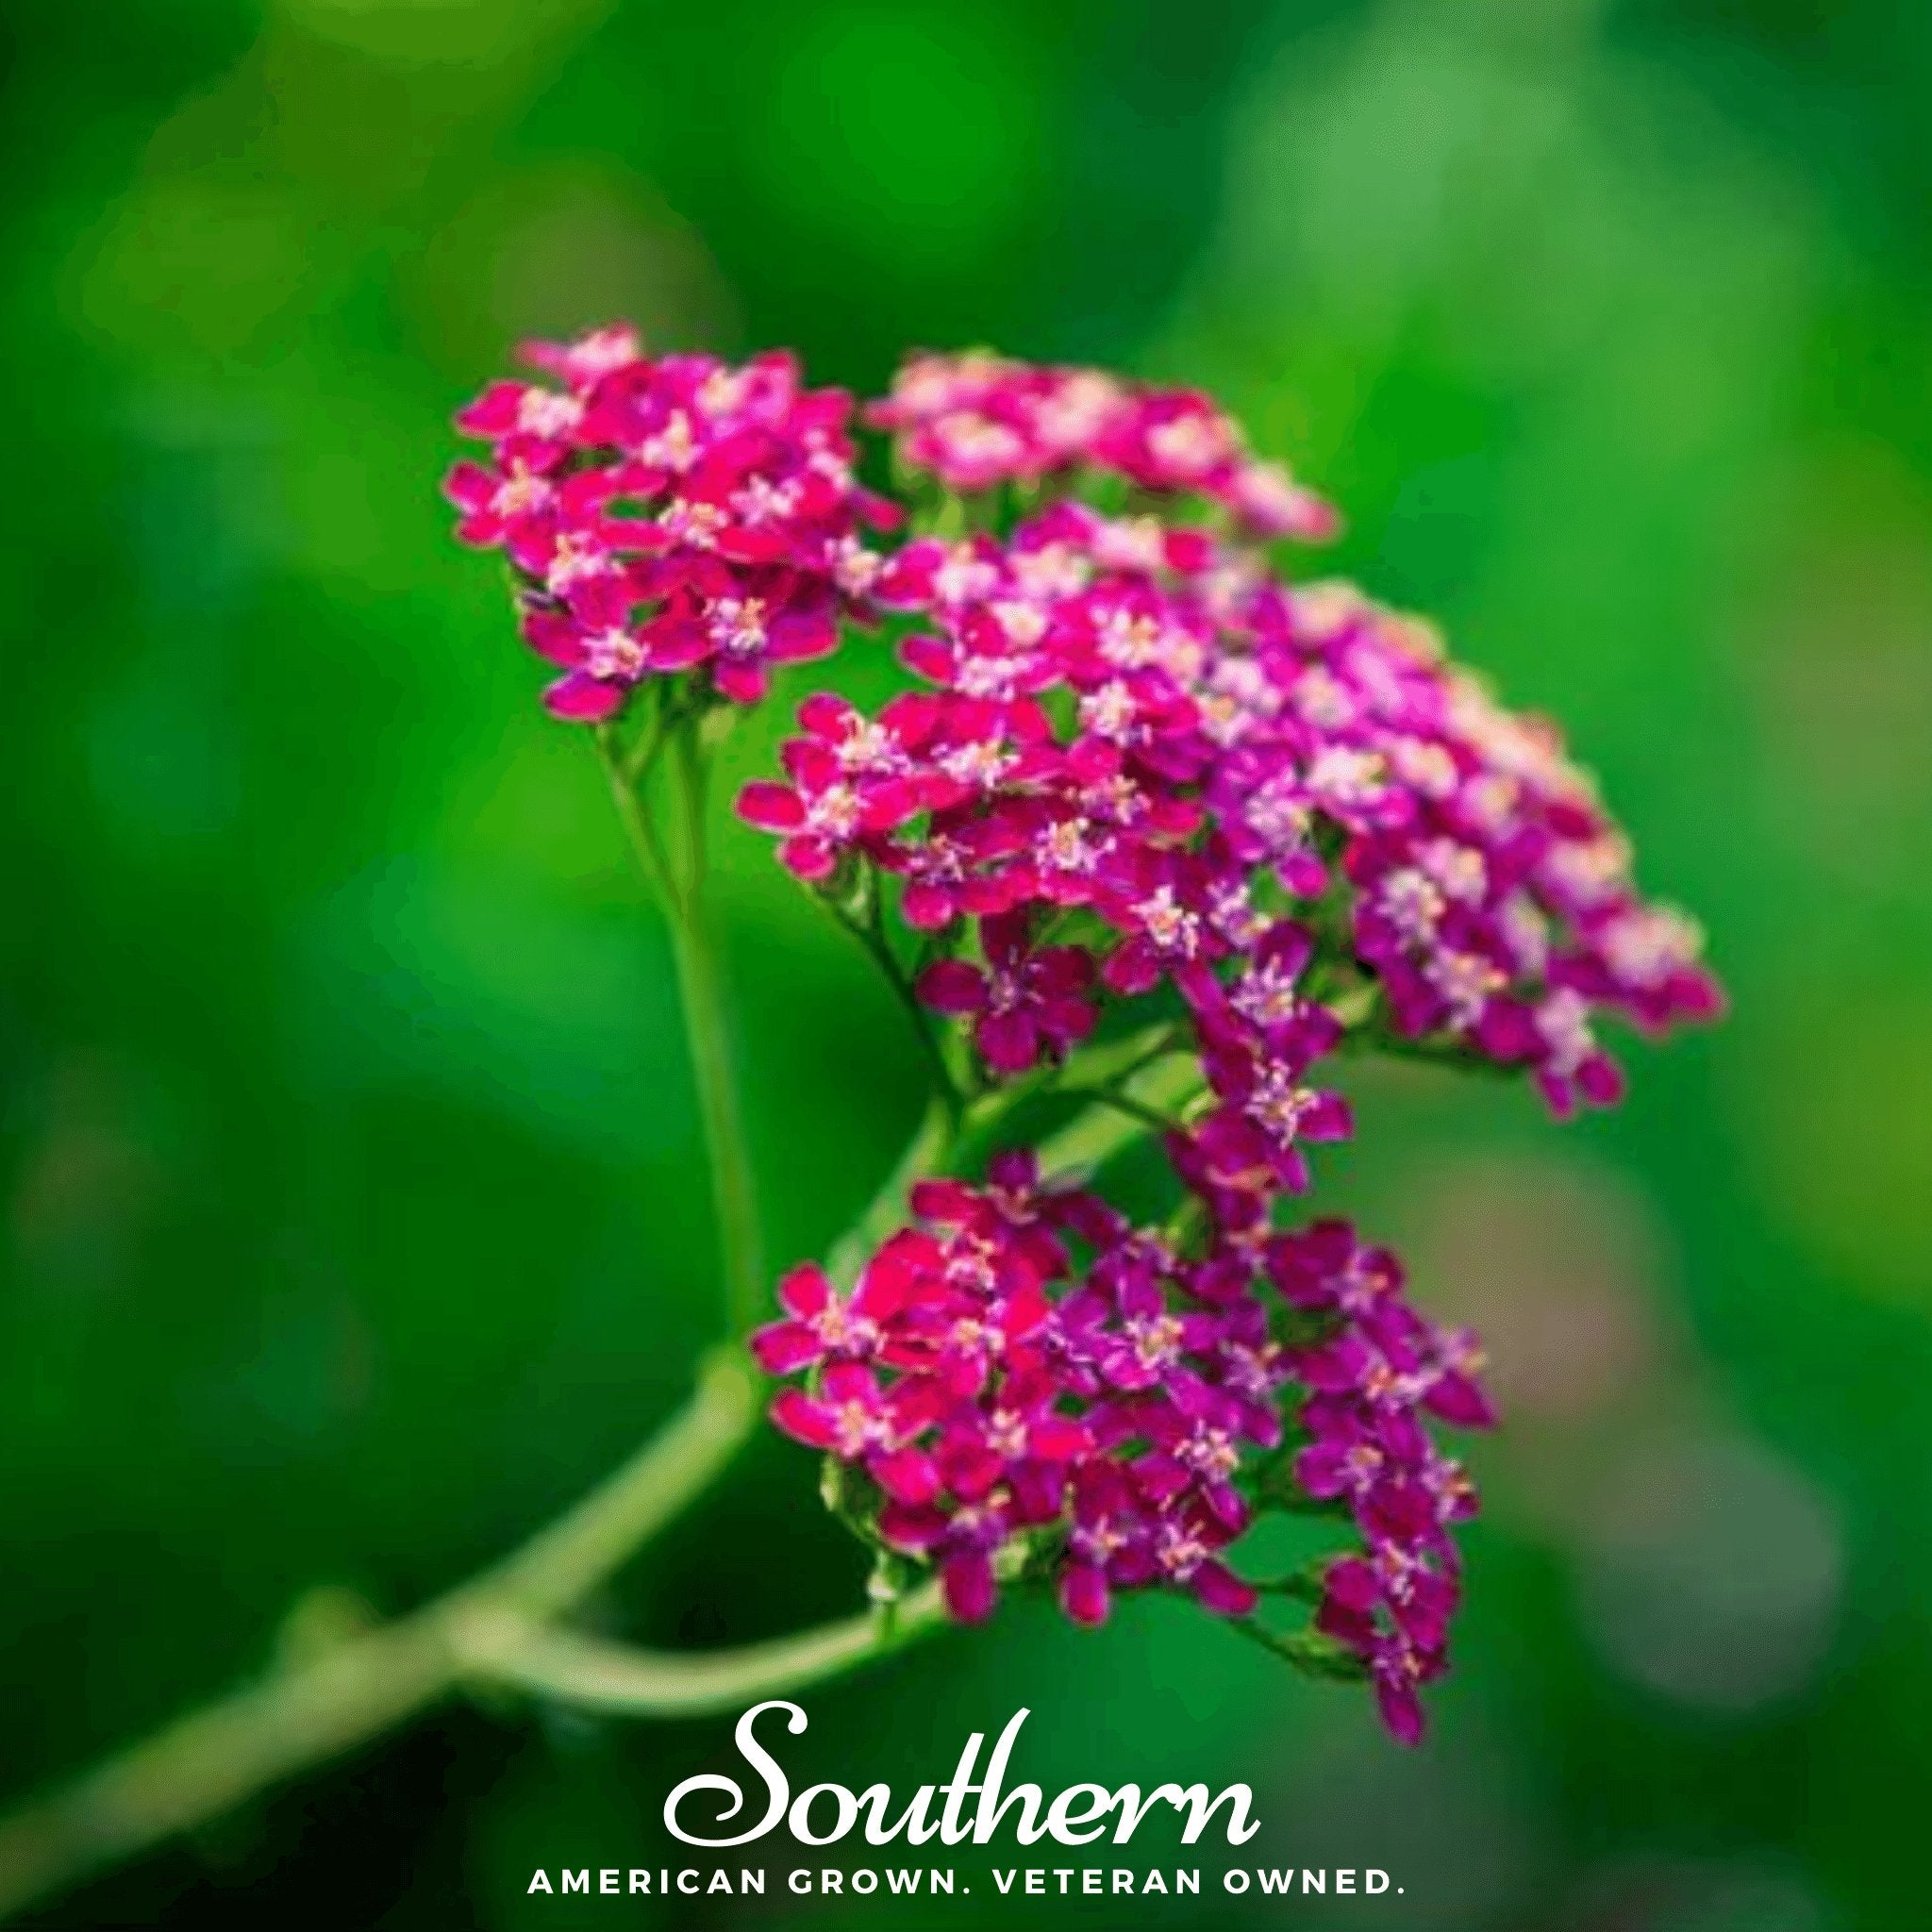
(1450, 1053)
(1150, 1118)
(1109, 1063)
(566, 1560)
(201, 1765)
(298, 1717)
(639, 829)
(593, 1675)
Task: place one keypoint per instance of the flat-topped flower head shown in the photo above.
(977, 420)
(1028, 1383)
(716, 504)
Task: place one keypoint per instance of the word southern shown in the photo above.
(822, 1814)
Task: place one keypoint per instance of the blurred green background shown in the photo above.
(349, 1195)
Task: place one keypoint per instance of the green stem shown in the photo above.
(1150, 1118)
(872, 937)
(1109, 1063)
(666, 714)
(304, 1713)
(706, 1028)
(1094, 1136)
(590, 1673)
(1449, 1053)
(202, 1764)
(571, 1555)
(690, 782)
(639, 829)
(732, 1191)
(1307, 1649)
(926, 1153)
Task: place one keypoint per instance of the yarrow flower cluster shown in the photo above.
(1154, 829)
(1023, 1373)
(979, 421)
(1381, 1368)
(667, 515)
(1213, 781)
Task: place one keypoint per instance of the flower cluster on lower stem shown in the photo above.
(1373, 1379)
(1023, 1383)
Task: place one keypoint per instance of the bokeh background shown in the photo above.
(349, 1199)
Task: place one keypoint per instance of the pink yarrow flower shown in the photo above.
(1025, 1001)
(751, 516)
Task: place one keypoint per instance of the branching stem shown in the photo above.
(303, 1714)
(867, 930)
(499, 1627)
(228, 1751)
(590, 1673)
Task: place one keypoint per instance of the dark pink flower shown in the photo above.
(1024, 1002)
(751, 514)
(854, 1418)
(826, 810)
(822, 1325)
